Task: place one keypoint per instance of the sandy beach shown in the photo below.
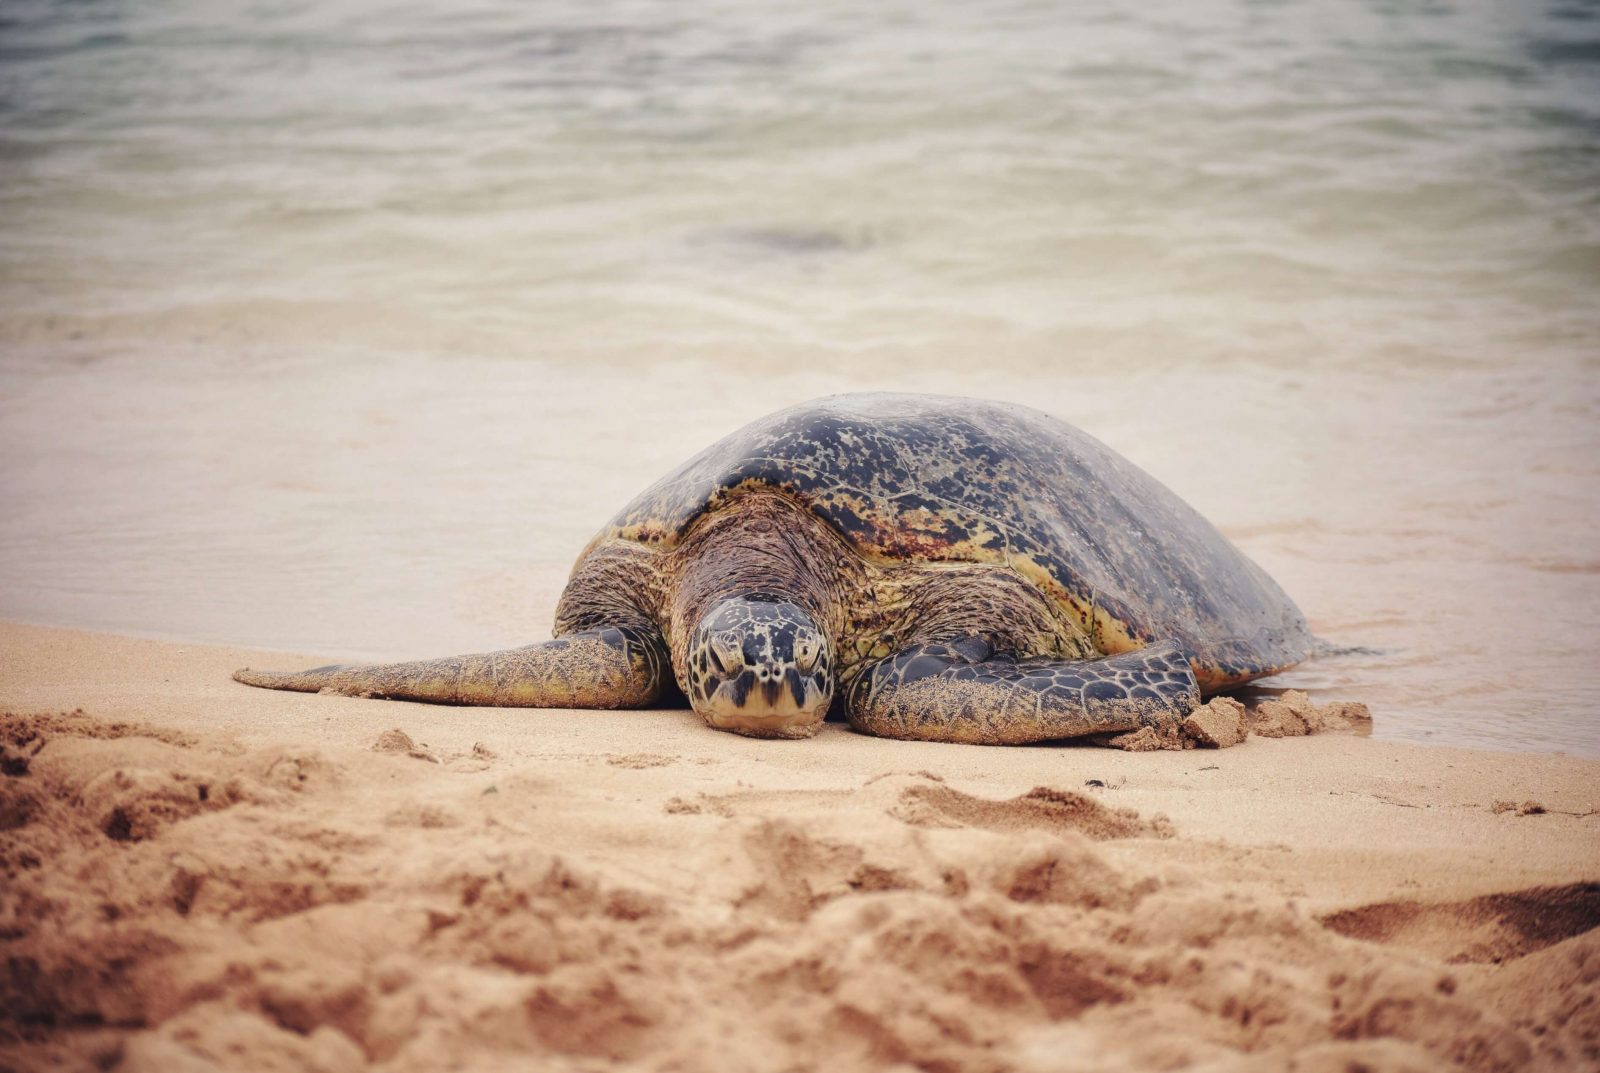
(199, 876)
(327, 337)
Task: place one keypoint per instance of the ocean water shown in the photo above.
(340, 327)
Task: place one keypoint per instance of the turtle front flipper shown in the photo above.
(610, 667)
(964, 692)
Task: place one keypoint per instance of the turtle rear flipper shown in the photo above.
(611, 667)
(963, 692)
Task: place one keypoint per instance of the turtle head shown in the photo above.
(760, 665)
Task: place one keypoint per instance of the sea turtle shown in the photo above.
(945, 569)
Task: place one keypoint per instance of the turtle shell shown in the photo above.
(921, 478)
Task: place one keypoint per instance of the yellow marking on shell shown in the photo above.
(656, 536)
(1104, 633)
(889, 521)
(900, 543)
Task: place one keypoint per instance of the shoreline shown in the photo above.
(379, 882)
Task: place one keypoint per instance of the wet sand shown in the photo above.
(384, 508)
(198, 875)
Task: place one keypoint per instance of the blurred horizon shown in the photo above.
(1221, 181)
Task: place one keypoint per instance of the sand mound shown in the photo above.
(1292, 715)
(1494, 928)
(177, 904)
(1042, 809)
(1223, 722)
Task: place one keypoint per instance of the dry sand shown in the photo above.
(198, 875)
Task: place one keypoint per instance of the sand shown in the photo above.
(197, 876)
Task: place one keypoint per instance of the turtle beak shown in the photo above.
(775, 705)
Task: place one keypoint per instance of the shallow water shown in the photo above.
(339, 332)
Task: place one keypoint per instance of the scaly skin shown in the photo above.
(603, 668)
(767, 610)
(965, 692)
(950, 652)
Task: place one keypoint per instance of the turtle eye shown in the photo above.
(807, 647)
(727, 650)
